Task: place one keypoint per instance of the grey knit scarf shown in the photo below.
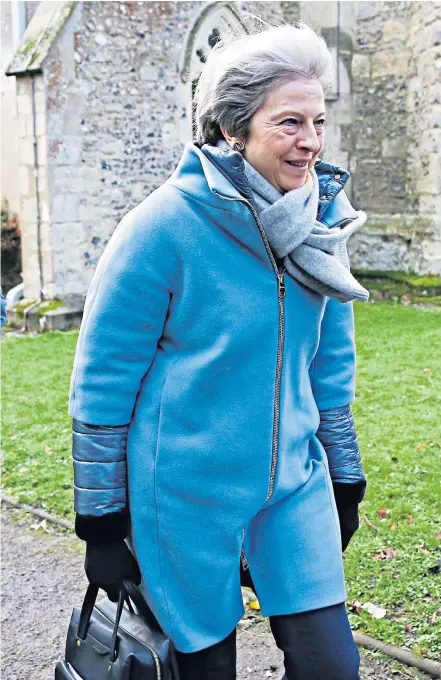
(312, 253)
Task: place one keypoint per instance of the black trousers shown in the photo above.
(317, 645)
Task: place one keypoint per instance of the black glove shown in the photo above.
(108, 564)
(108, 559)
(347, 498)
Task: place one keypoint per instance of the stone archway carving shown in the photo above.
(216, 21)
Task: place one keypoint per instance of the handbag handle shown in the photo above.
(86, 613)
(86, 610)
(113, 641)
(133, 592)
(128, 590)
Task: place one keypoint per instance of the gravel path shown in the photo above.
(43, 579)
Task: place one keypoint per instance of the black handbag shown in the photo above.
(113, 641)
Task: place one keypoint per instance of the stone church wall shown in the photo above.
(395, 136)
(118, 118)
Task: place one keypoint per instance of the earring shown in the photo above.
(239, 146)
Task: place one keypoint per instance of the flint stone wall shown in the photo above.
(118, 118)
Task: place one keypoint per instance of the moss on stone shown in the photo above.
(408, 278)
(20, 308)
(28, 47)
(34, 58)
(43, 39)
(49, 305)
(51, 32)
(435, 300)
(42, 309)
(409, 288)
(428, 281)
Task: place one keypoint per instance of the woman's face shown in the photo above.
(287, 133)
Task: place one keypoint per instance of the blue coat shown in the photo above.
(217, 366)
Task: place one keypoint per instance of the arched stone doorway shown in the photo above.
(216, 21)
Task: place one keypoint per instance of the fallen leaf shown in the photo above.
(385, 554)
(423, 651)
(438, 444)
(408, 628)
(249, 599)
(409, 519)
(420, 447)
(438, 536)
(383, 512)
(427, 370)
(254, 605)
(370, 391)
(375, 611)
(5, 474)
(395, 576)
(11, 453)
(392, 527)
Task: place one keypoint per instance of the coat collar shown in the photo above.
(224, 174)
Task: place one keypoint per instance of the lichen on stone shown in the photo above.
(27, 47)
(49, 305)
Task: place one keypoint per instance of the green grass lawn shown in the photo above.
(398, 415)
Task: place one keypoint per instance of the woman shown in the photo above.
(216, 360)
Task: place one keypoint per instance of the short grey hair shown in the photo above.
(240, 74)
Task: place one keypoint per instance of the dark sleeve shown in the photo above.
(99, 460)
(338, 436)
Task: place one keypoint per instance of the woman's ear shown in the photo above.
(230, 139)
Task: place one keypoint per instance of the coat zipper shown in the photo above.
(281, 292)
(242, 551)
(155, 656)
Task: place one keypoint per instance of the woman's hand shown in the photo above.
(108, 558)
(108, 564)
(347, 498)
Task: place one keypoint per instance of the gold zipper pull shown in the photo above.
(282, 287)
